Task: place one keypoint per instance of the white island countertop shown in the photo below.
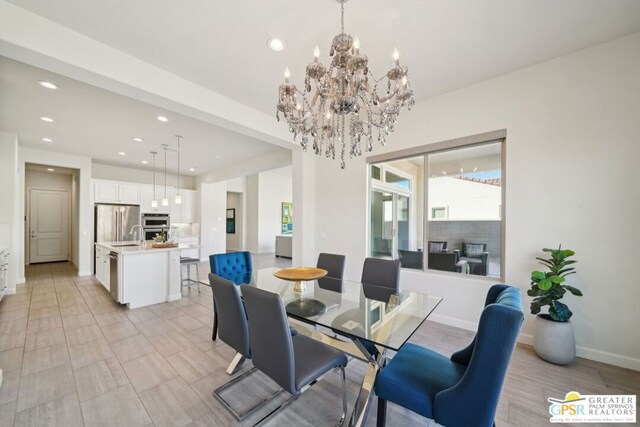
(136, 248)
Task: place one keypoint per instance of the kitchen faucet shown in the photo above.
(141, 232)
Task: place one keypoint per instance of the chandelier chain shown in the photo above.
(342, 17)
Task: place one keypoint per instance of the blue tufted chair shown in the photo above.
(233, 266)
(462, 390)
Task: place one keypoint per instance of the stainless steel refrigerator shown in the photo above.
(113, 222)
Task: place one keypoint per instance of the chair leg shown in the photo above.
(215, 324)
(382, 412)
(198, 277)
(344, 397)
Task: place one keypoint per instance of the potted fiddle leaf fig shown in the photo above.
(553, 338)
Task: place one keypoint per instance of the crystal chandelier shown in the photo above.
(345, 109)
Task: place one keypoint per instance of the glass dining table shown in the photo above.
(364, 321)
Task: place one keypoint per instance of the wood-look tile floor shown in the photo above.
(71, 356)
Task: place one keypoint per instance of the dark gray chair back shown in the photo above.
(411, 259)
(232, 319)
(381, 272)
(334, 264)
(270, 337)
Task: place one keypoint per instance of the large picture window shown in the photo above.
(440, 209)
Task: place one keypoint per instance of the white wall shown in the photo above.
(264, 195)
(571, 177)
(465, 200)
(85, 214)
(234, 201)
(213, 212)
(41, 180)
(9, 214)
(141, 176)
(75, 218)
(251, 213)
(273, 190)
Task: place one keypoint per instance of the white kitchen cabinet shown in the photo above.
(102, 267)
(146, 192)
(141, 194)
(105, 192)
(116, 192)
(185, 212)
(189, 205)
(4, 271)
(129, 193)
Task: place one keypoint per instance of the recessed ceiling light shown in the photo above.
(48, 85)
(163, 119)
(218, 156)
(46, 119)
(122, 153)
(144, 162)
(51, 169)
(47, 140)
(137, 139)
(275, 44)
(192, 169)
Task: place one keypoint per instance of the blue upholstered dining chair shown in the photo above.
(234, 266)
(462, 390)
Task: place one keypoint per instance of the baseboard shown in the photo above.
(584, 352)
(610, 358)
(10, 291)
(84, 273)
(525, 339)
(174, 297)
(22, 280)
(452, 321)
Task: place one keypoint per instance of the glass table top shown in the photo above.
(350, 308)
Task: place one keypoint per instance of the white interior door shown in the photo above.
(48, 226)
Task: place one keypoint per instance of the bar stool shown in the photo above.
(189, 262)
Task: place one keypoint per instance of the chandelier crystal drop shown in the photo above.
(340, 106)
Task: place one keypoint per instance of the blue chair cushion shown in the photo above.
(231, 264)
(414, 376)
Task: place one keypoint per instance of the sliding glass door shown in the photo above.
(390, 224)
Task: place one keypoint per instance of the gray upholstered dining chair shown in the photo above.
(381, 272)
(294, 363)
(233, 331)
(333, 263)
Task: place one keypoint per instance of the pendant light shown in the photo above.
(178, 198)
(165, 199)
(154, 202)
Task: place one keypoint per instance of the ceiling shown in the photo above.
(45, 169)
(93, 122)
(450, 44)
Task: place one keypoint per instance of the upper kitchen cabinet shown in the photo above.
(142, 194)
(185, 212)
(147, 197)
(189, 205)
(116, 192)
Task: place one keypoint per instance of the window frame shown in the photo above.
(498, 136)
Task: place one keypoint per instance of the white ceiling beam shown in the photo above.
(32, 39)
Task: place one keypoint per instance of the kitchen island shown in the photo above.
(138, 275)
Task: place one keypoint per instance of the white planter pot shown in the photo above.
(554, 341)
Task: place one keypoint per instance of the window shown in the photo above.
(438, 213)
(460, 185)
